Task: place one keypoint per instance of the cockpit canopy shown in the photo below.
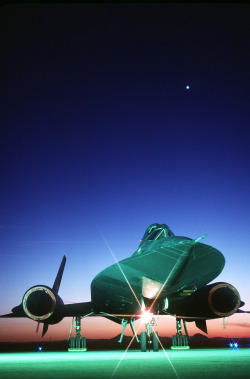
(157, 231)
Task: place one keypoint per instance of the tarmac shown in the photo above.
(180, 364)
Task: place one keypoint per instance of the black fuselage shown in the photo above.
(168, 265)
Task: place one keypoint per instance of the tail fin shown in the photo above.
(202, 325)
(55, 288)
(45, 329)
(58, 279)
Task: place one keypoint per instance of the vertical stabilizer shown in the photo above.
(202, 325)
(58, 279)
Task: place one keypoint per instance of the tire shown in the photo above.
(71, 343)
(155, 342)
(179, 340)
(84, 342)
(185, 341)
(174, 342)
(143, 341)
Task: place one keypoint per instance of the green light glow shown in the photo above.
(166, 355)
(196, 363)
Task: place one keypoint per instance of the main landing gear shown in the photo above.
(180, 341)
(149, 339)
(77, 343)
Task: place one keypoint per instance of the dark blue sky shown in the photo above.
(98, 131)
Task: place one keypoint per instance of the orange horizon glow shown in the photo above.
(24, 330)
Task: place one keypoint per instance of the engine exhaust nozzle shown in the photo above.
(224, 299)
(39, 303)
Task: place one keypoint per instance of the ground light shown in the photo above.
(233, 345)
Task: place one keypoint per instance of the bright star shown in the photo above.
(187, 87)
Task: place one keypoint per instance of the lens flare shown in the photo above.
(125, 351)
(233, 344)
(171, 364)
(146, 316)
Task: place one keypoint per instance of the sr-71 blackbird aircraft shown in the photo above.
(167, 275)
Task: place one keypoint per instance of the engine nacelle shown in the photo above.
(212, 301)
(224, 299)
(40, 303)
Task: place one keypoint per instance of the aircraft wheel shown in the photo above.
(72, 343)
(174, 341)
(143, 340)
(84, 342)
(155, 342)
(185, 341)
(179, 340)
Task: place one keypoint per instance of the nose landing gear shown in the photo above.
(149, 339)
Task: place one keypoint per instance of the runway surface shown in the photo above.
(196, 363)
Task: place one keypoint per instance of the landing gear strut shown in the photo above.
(149, 339)
(124, 324)
(77, 343)
(180, 341)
